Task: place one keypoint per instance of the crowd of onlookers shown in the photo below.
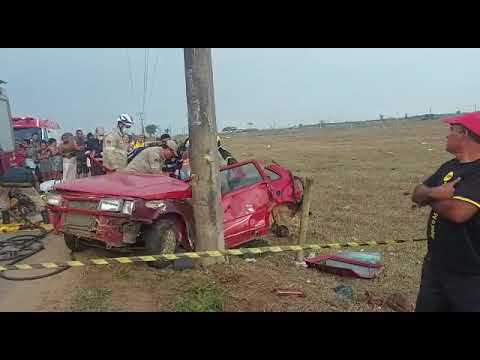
(76, 156)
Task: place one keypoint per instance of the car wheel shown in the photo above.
(162, 237)
(73, 243)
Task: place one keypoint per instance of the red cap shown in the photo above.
(471, 121)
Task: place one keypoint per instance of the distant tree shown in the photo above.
(151, 129)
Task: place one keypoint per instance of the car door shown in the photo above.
(245, 199)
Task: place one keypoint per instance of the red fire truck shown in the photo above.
(19, 129)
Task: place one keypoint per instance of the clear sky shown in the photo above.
(85, 88)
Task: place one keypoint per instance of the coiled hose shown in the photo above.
(21, 247)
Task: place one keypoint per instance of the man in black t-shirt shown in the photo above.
(451, 269)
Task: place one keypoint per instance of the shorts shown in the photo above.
(442, 291)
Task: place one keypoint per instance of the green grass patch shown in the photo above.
(123, 274)
(201, 298)
(92, 300)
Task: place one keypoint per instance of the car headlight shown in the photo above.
(156, 205)
(113, 205)
(128, 207)
(54, 199)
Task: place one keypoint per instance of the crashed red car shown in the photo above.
(154, 212)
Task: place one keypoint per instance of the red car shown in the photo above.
(157, 209)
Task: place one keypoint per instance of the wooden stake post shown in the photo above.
(305, 216)
(202, 126)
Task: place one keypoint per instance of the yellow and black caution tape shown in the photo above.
(197, 255)
(9, 228)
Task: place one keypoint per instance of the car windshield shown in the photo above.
(26, 134)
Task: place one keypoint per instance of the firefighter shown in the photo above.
(114, 148)
(225, 156)
(152, 160)
(19, 185)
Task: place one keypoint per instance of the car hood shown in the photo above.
(123, 184)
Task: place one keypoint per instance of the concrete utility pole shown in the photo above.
(202, 128)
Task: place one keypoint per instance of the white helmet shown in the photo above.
(126, 120)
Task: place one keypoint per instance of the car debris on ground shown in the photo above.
(289, 292)
(400, 303)
(396, 302)
(365, 265)
(373, 299)
(345, 291)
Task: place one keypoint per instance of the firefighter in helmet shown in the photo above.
(114, 148)
(154, 160)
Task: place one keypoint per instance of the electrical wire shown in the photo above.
(145, 80)
(152, 83)
(130, 73)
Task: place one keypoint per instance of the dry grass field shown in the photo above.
(363, 180)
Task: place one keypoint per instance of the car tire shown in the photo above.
(73, 243)
(163, 237)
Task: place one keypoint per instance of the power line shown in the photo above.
(130, 72)
(145, 79)
(152, 83)
(145, 87)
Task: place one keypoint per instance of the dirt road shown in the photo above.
(36, 294)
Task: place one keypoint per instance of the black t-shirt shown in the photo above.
(451, 246)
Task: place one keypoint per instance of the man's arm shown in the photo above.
(457, 211)
(425, 195)
(422, 195)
